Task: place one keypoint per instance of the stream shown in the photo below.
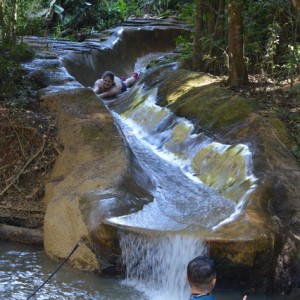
(23, 268)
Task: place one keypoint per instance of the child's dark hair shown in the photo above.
(201, 271)
(109, 74)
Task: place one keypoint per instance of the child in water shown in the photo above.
(201, 276)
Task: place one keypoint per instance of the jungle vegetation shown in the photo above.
(231, 37)
(245, 40)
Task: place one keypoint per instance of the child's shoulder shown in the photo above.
(202, 297)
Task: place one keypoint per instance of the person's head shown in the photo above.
(201, 274)
(108, 79)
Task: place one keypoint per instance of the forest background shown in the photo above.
(253, 44)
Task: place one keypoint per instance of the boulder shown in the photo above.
(93, 160)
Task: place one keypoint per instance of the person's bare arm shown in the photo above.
(112, 92)
(97, 86)
(245, 297)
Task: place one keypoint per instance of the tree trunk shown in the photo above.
(216, 32)
(13, 24)
(211, 17)
(2, 27)
(220, 22)
(197, 48)
(21, 234)
(237, 68)
(296, 3)
(211, 30)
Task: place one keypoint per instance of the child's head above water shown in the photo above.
(201, 274)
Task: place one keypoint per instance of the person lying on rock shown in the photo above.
(201, 276)
(110, 85)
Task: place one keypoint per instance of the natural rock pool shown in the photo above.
(24, 268)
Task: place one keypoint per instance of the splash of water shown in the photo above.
(156, 265)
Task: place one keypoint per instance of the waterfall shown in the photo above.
(156, 265)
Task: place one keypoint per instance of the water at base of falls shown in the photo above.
(23, 268)
(156, 270)
(158, 264)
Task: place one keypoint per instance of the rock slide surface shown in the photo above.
(95, 161)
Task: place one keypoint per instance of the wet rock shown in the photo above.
(87, 164)
(261, 243)
(39, 78)
(267, 230)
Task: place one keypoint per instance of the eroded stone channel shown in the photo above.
(101, 180)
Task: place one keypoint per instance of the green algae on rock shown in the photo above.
(203, 99)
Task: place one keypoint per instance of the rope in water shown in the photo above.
(53, 273)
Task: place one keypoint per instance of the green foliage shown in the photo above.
(185, 46)
(267, 40)
(7, 23)
(59, 16)
(20, 52)
(294, 125)
(13, 86)
(34, 26)
(37, 17)
(26, 23)
(270, 27)
(122, 8)
(268, 62)
(290, 65)
(15, 22)
(112, 13)
(186, 12)
(66, 13)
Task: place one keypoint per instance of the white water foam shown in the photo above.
(149, 117)
(181, 204)
(156, 265)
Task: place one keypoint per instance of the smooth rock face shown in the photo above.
(93, 159)
(263, 239)
(89, 179)
(92, 177)
(120, 49)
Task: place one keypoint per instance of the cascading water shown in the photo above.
(197, 154)
(157, 265)
(179, 202)
(167, 232)
(193, 197)
(173, 156)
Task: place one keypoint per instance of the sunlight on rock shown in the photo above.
(224, 168)
(180, 134)
(188, 86)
